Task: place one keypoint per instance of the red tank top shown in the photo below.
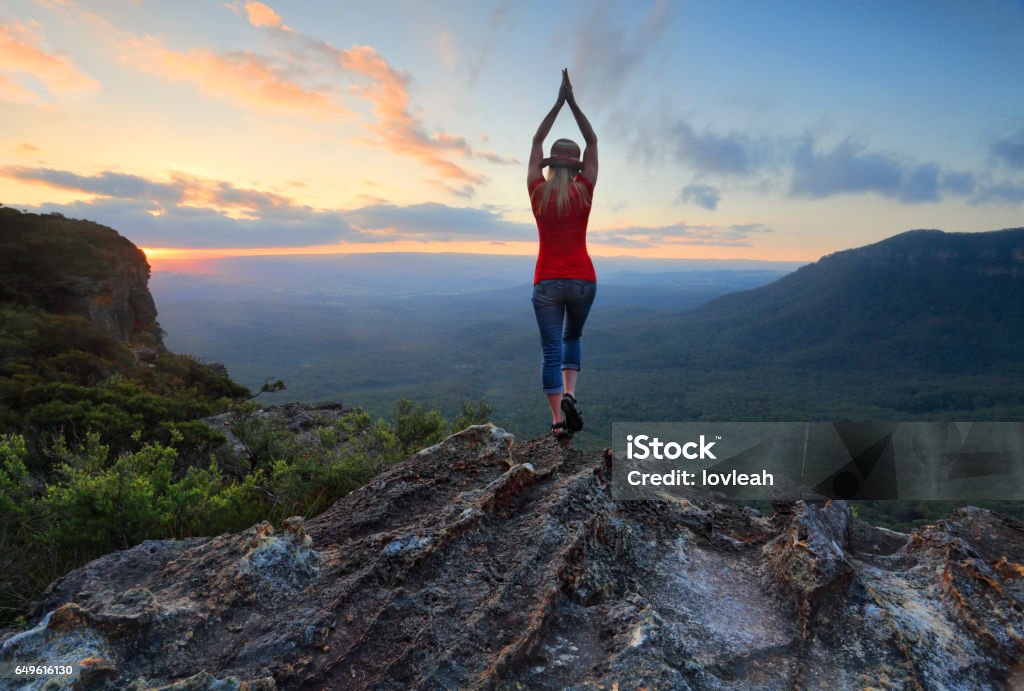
(563, 239)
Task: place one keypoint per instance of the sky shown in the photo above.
(773, 131)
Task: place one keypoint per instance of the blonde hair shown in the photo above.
(560, 178)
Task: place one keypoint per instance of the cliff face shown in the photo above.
(484, 563)
(122, 303)
(79, 267)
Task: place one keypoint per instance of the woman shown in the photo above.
(564, 283)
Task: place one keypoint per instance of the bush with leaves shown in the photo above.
(62, 376)
(100, 499)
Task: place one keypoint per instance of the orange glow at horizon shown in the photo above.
(191, 260)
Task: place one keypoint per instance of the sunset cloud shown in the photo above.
(317, 79)
(262, 15)
(23, 58)
(608, 51)
(180, 190)
(1004, 193)
(664, 136)
(438, 222)
(1009, 149)
(464, 191)
(500, 18)
(446, 48)
(199, 227)
(386, 90)
(850, 167)
(244, 78)
(199, 212)
(14, 92)
(735, 235)
(704, 196)
(813, 170)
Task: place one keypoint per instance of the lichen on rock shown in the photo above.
(282, 562)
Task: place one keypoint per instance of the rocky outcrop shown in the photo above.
(121, 302)
(302, 420)
(71, 266)
(484, 563)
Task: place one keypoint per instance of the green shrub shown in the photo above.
(264, 439)
(417, 427)
(61, 375)
(15, 487)
(102, 496)
(473, 414)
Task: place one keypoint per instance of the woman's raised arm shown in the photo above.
(533, 169)
(590, 153)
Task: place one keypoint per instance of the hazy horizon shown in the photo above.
(220, 265)
(320, 277)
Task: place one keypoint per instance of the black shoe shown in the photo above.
(561, 431)
(573, 419)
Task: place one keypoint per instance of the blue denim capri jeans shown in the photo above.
(561, 306)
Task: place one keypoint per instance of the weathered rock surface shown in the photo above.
(483, 563)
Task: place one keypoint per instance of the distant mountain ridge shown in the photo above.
(922, 325)
(992, 252)
(921, 299)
